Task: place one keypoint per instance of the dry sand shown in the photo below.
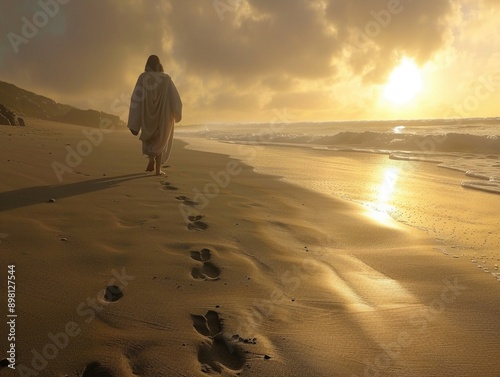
(217, 269)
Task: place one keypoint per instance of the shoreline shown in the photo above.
(315, 284)
(418, 194)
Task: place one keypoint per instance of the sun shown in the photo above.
(405, 82)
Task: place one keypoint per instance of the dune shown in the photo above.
(215, 269)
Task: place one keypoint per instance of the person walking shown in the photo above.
(154, 109)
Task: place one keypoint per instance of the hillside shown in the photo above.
(26, 103)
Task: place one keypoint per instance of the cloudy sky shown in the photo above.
(246, 60)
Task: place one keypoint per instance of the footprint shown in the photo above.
(113, 293)
(201, 256)
(196, 224)
(218, 351)
(95, 369)
(207, 271)
(186, 201)
(167, 186)
(208, 325)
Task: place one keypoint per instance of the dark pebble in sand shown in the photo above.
(267, 357)
(64, 239)
(52, 200)
(113, 293)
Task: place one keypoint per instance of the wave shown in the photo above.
(449, 142)
(475, 154)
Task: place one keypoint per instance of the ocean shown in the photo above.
(470, 146)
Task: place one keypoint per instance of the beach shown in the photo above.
(224, 268)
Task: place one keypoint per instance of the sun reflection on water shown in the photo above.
(381, 207)
(398, 129)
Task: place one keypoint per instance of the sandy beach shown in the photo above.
(216, 269)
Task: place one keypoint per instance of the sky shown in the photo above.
(259, 60)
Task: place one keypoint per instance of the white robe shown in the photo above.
(154, 108)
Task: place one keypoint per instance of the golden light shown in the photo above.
(380, 209)
(388, 185)
(405, 82)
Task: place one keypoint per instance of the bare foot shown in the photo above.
(158, 165)
(151, 166)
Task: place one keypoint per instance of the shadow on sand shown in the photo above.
(42, 194)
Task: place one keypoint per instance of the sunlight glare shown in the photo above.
(398, 129)
(380, 209)
(405, 82)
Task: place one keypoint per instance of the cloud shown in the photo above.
(265, 38)
(279, 43)
(379, 32)
(234, 56)
(84, 46)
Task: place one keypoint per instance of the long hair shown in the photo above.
(153, 64)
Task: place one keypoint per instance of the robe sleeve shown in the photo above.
(136, 103)
(175, 102)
